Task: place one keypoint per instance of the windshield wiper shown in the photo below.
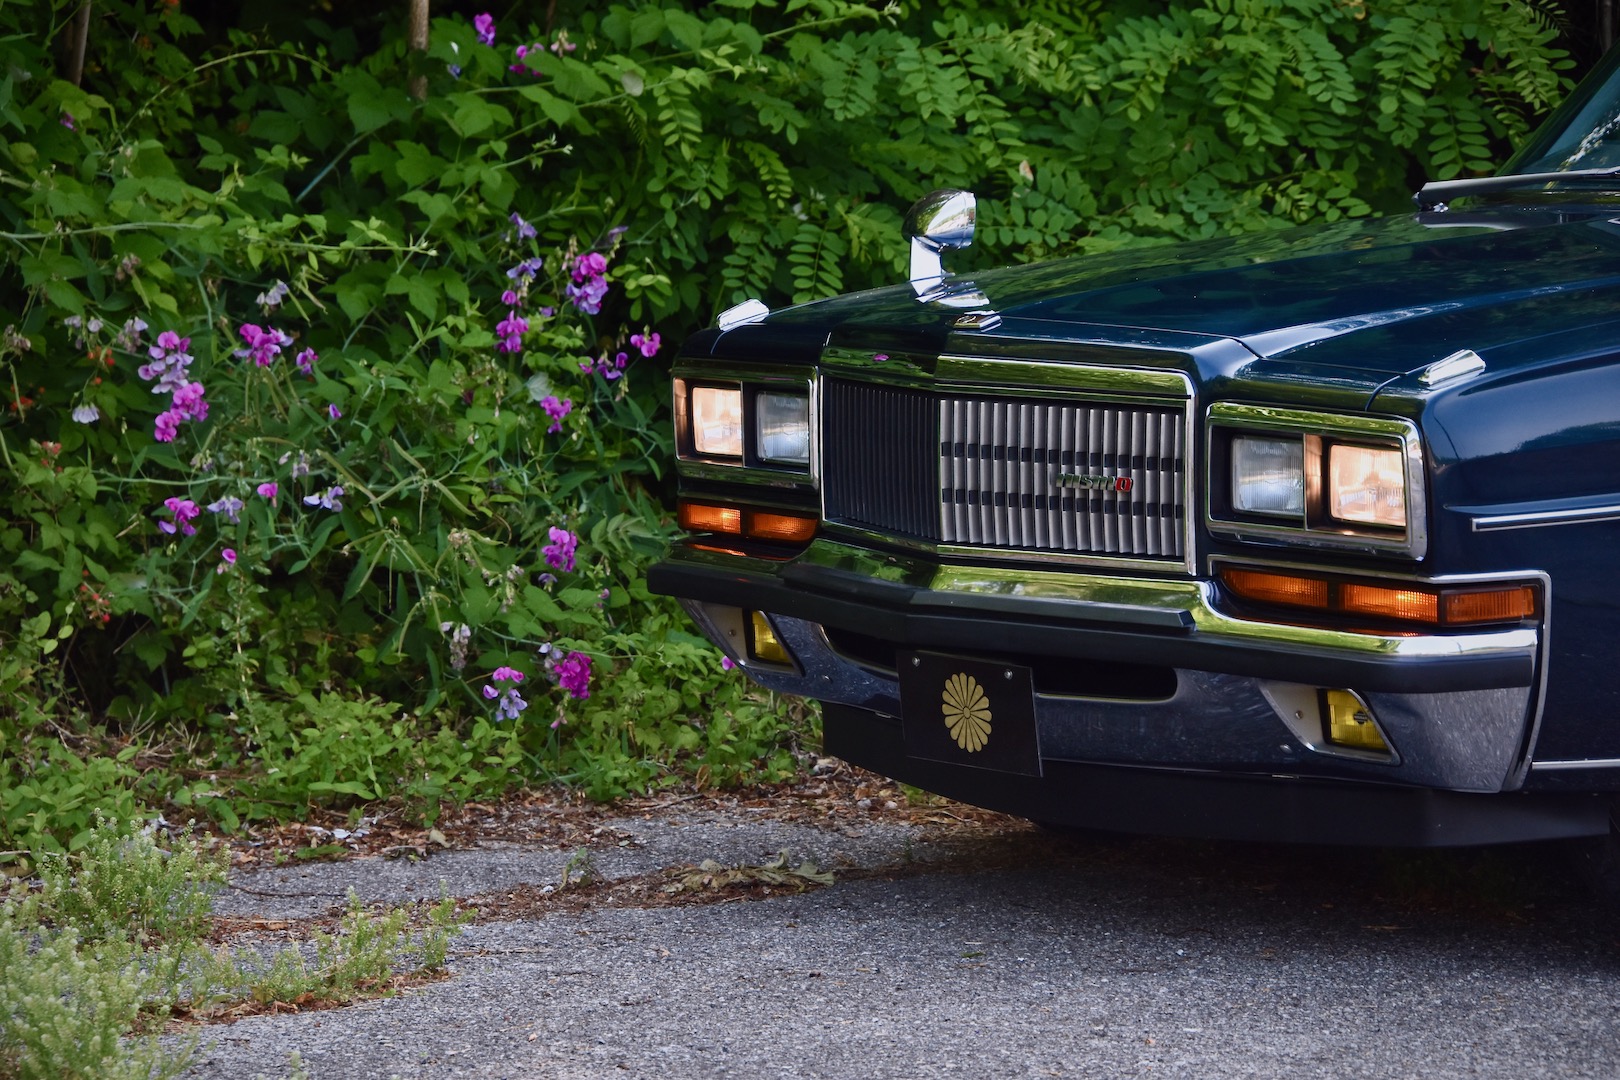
(1433, 195)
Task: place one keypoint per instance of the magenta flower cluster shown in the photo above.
(608, 369)
(509, 704)
(573, 673)
(556, 410)
(485, 25)
(560, 552)
(181, 512)
(264, 344)
(589, 285)
(167, 367)
(511, 329)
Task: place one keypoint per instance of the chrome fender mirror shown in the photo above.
(940, 221)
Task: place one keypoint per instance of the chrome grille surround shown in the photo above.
(1013, 459)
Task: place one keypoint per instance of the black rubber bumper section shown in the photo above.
(917, 618)
(1215, 806)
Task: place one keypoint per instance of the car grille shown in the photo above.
(1082, 477)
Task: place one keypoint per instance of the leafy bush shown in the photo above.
(335, 431)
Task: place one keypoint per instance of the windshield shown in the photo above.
(1584, 132)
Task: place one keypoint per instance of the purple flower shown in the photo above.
(306, 361)
(589, 286)
(334, 412)
(189, 403)
(330, 499)
(648, 345)
(511, 705)
(560, 552)
(588, 296)
(525, 269)
(556, 410)
(525, 231)
(506, 674)
(510, 298)
(67, 120)
(272, 297)
(263, 344)
(485, 25)
(455, 70)
(574, 674)
(227, 559)
(182, 511)
(727, 663)
(511, 330)
(86, 414)
(169, 361)
(269, 490)
(129, 337)
(231, 507)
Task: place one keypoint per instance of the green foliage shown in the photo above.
(123, 886)
(115, 936)
(361, 958)
(342, 652)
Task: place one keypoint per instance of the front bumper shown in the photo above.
(1237, 697)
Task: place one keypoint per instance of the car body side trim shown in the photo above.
(1579, 763)
(1537, 519)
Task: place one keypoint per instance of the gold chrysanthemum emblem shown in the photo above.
(967, 712)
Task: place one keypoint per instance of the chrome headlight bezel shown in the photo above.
(1394, 441)
(752, 454)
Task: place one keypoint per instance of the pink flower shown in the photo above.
(334, 412)
(189, 403)
(263, 344)
(182, 510)
(485, 25)
(727, 663)
(270, 490)
(167, 425)
(556, 410)
(506, 674)
(560, 552)
(227, 559)
(574, 674)
(511, 330)
(306, 361)
(648, 345)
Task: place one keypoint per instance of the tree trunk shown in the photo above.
(78, 37)
(419, 44)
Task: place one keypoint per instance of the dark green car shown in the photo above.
(1307, 535)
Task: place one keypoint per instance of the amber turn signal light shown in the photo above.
(754, 524)
(701, 517)
(792, 528)
(1463, 605)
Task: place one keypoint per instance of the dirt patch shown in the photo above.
(835, 795)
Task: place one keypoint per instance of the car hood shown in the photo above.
(1381, 296)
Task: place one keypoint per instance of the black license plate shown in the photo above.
(969, 712)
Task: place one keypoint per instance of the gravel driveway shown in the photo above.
(960, 945)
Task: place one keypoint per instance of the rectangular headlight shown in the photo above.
(1268, 476)
(782, 428)
(717, 421)
(1367, 485)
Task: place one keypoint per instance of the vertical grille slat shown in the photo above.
(1011, 473)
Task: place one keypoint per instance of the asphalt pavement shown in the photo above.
(981, 948)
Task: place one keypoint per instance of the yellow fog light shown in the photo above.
(1350, 723)
(764, 644)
